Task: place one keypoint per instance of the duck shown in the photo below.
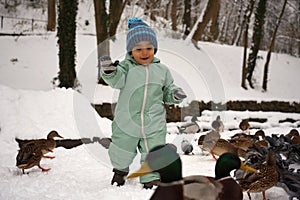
(29, 156)
(244, 125)
(260, 134)
(242, 143)
(186, 147)
(294, 136)
(190, 127)
(217, 146)
(266, 177)
(173, 186)
(217, 124)
(46, 145)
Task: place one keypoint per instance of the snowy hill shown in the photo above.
(213, 73)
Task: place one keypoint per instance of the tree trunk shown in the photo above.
(298, 28)
(256, 39)
(239, 25)
(167, 9)
(116, 8)
(101, 19)
(247, 17)
(240, 33)
(266, 67)
(227, 23)
(174, 15)
(66, 39)
(101, 28)
(186, 20)
(214, 28)
(51, 16)
(223, 23)
(202, 24)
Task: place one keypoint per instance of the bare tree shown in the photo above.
(101, 32)
(186, 21)
(214, 28)
(106, 25)
(239, 24)
(266, 67)
(208, 15)
(256, 39)
(247, 16)
(174, 15)
(116, 8)
(51, 16)
(224, 22)
(66, 33)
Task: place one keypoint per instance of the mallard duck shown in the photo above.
(29, 156)
(32, 151)
(244, 125)
(217, 124)
(294, 136)
(244, 141)
(164, 160)
(46, 145)
(260, 134)
(190, 127)
(217, 146)
(265, 178)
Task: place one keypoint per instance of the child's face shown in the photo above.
(143, 53)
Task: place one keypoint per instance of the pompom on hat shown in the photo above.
(139, 31)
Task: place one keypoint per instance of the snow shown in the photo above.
(30, 108)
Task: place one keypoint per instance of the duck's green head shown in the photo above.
(228, 162)
(164, 160)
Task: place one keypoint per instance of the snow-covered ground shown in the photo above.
(85, 172)
(30, 108)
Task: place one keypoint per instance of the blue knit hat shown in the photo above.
(139, 31)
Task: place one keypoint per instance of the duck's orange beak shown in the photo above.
(247, 168)
(145, 169)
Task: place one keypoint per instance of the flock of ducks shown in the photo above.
(166, 161)
(267, 162)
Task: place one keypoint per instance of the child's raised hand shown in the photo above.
(106, 65)
(179, 94)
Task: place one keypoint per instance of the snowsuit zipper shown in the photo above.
(143, 109)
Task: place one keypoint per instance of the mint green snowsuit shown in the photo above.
(140, 116)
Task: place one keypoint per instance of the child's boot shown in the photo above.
(119, 176)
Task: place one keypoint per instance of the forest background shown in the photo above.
(256, 25)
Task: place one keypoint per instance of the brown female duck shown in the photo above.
(32, 151)
(266, 177)
(29, 156)
(217, 146)
(46, 145)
